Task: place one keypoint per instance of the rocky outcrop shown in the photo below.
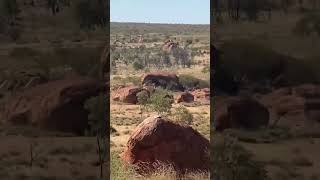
(162, 79)
(240, 112)
(184, 97)
(158, 139)
(127, 94)
(201, 95)
(57, 105)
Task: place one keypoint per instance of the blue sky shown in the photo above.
(161, 11)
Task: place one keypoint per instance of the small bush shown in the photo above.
(143, 98)
(137, 65)
(97, 117)
(205, 69)
(191, 82)
(230, 160)
(183, 115)
(160, 101)
(118, 170)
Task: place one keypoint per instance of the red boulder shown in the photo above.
(127, 94)
(184, 97)
(158, 139)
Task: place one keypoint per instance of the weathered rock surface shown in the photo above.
(55, 105)
(158, 139)
(201, 95)
(240, 112)
(184, 97)
(162, 79)
(127, 94)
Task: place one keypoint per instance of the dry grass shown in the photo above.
(125, 117)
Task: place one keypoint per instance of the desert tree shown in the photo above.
(160, 101)
(143, 100)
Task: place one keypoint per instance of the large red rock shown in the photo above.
(163, 79)
(158, 139)
(55, 105)
(240, 112)
(283, 104)
(127, 94)
(184, 97)
(201, 95)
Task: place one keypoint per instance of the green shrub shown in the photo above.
(96, 106)
(137, 65)
(183, 115)
(118, 170)
(231, 161)
(160, 101)
(205, 69)
(188, 81)
(204, 84)
(143, 98)
(191, 82)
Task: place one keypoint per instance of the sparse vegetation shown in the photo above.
(160, 102)
(137, 66)
(130, 59)
(143, 100)
(96, 107)
(183, 115)
(118, 170)
(230, 160)
(191, 82)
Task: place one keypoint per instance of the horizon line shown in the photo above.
(157, 23)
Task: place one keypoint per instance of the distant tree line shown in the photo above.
(143, 58)
(253, 9)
